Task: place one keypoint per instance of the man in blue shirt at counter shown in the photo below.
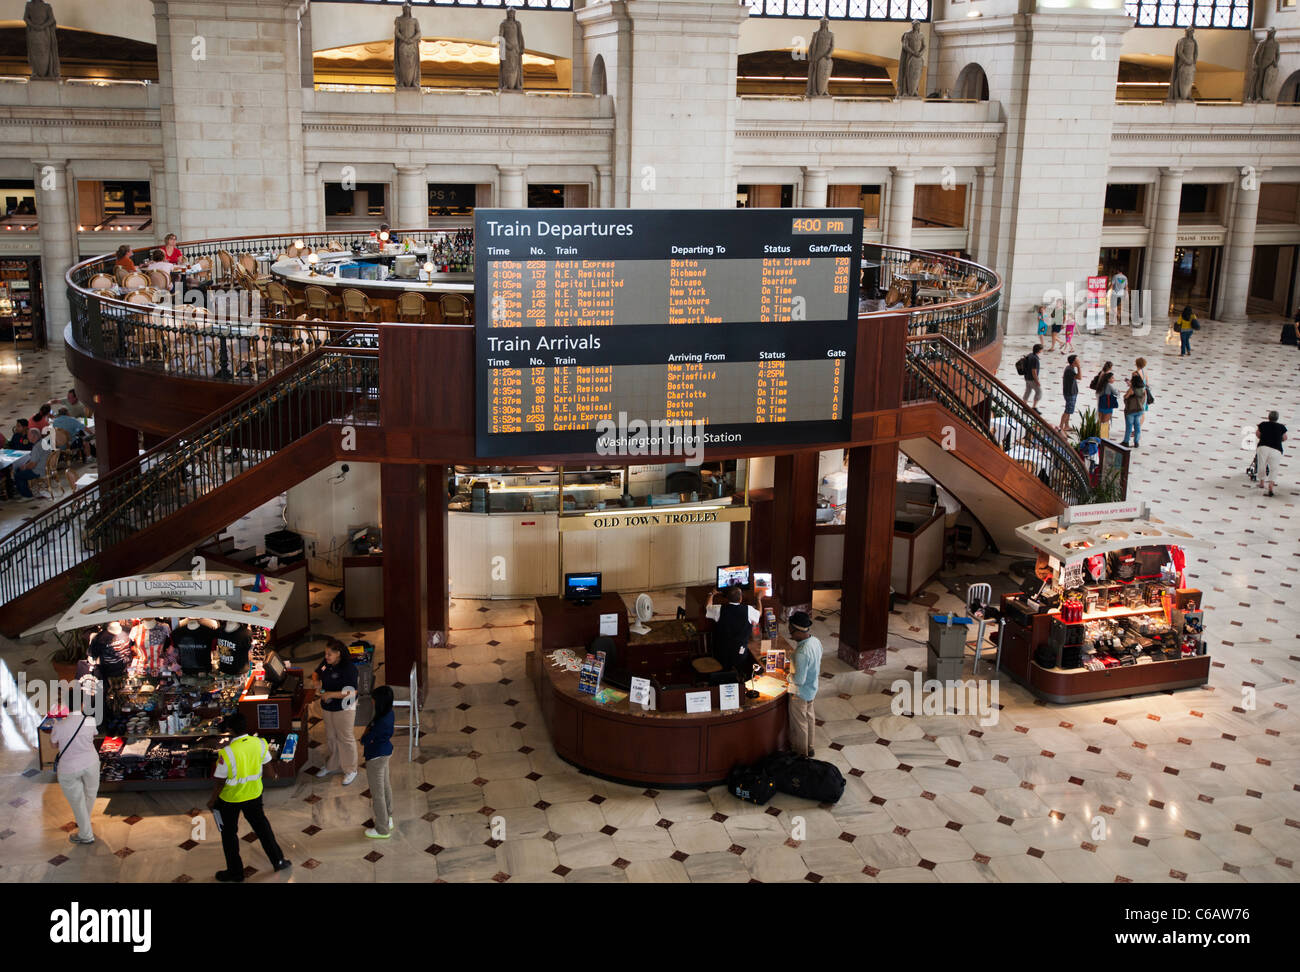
(805, 670)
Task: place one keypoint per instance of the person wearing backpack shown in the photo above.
(1107, 402)
(805, 667)
(1028, 366)
(1186, 324)
(77, 768)
(1135, 400)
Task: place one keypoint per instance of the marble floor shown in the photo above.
(1194, 786)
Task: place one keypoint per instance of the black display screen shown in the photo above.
(617, 332)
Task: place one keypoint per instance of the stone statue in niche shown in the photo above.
(1184, 73)
(406, 49)
(1263, 68)
(820, 61)
(42, 40)
(911, 60)
(511, 74)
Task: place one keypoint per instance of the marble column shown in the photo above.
(605, 186)
(162, 216)
(816, 185)
(868, 549)
(902, 192)
(412, 198)
(58, 251)
(1240, 252)
(312, 190)
(794, 521)
(1160, 255)
(513, 188)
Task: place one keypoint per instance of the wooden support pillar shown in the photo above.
(437, 567)
(868, 539)
(115, 444)
(794, 522)
(402, 505)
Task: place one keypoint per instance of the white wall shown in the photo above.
(322, 511)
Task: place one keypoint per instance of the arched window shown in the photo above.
(972, 84)
(1289, 93)
(599, 84)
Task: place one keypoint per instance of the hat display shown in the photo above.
(800, 619)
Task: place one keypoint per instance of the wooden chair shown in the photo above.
(205, 269)
(160, 279)
(455, 309)
(102, 281)
(140, 297)
(227, 263)
(135, 281)
(410, 308)
(119, 274)
(357, 306)
(320, 302)
(50, 476)
(283, 303)
(250, 266)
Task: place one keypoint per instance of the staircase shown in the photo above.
(190, 486)
(977, 438)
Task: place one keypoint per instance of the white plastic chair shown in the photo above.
(981, 593)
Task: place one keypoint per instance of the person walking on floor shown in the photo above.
(805, 671)
(1069, 334)
(1107, 402)
(1185, 325)
(1042, 321)
(1033, 364)
(1135, 399)
(1119, 294)
(1268, 454)
(337, 675)
(1058, 324)
(238, 789)
(77, 767)
(1140, 369)
(1070, 388)
(378, 743)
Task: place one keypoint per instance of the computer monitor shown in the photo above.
(275, 669)
(735, 575)
(582, 588)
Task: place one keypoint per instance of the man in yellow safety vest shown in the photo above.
(238, 789)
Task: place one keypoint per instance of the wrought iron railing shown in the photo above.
(942, 295)
(939, 371)
(332, 385)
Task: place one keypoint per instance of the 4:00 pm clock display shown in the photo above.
(739, 323)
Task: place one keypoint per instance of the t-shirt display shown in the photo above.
(1270, 435)
(232, 650)
(151, 646)
(194, 649)
(114, 652)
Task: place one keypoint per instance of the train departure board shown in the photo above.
(640, 332)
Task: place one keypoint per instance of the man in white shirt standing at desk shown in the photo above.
(805, 670)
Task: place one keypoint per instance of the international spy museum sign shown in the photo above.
(662, 332)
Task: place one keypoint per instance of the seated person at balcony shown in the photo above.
(157, 262)
(733, 623)
(170, 251)
(78, 439)
(19, 438)
(392, 237)
(124, 258)
(33, 467)
(41, 420)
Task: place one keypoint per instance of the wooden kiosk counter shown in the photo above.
(664, 747)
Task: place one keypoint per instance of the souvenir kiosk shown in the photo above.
(1110, 612)
(172, 657)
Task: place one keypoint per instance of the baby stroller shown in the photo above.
(1252, 471)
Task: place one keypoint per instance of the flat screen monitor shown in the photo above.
(582, 588)
(763, 582)
(733, 576)
(275, 668)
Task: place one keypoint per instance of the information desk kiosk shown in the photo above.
(667, 746)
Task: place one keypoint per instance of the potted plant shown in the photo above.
(1087, 433)
(72, 648)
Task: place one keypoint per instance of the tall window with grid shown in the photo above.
(1230, 14)
(842, 9)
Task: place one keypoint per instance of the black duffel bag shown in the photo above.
(752, 784)
(801, 776)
